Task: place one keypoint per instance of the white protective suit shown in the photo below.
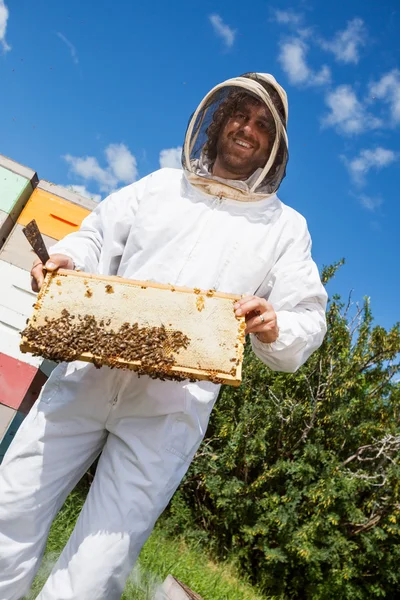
(179, 227)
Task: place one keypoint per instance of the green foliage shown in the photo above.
(297, 482)
(298, 477)
(160, 557)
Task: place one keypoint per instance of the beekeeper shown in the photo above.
(217, 224)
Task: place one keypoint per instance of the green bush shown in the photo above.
(160, 557)
(298, 477)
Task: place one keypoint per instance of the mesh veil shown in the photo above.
(210, 117)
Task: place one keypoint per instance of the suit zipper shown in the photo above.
(216, 204)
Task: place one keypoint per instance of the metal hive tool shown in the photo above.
(213, 337)
(34, 237)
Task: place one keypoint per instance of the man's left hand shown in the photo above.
(260, 318)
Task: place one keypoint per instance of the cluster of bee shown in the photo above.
(67, 337)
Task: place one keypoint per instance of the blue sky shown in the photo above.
(96, 93)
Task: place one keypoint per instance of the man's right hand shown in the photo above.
(56, 261)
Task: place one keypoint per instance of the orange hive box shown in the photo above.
(214, 350)
(55, 216)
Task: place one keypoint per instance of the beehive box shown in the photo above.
(16, 293)
(66, 194)
(20, 383)
(11, 324)
(157, 329)
(16, 185)
(55, 216)
(15, 379)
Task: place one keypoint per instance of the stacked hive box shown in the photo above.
(57, 212)
(16, 185)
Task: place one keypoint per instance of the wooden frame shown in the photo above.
(233, 326)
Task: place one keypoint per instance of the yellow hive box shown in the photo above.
(54, 216)
(215, 335)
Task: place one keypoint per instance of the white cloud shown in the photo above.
(370, 202)
(322, 77)
(346, 44)
(121, 167)
(122, 163)
(83, 191)
(226, 33)
(89, 168)
(387, 89)
(294, 21)
(3, 26)
(293, 59)
(369, 159)
(347, 114)
(287, 17)
(171, 157)
(72, 49)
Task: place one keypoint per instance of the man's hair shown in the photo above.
(228, 107)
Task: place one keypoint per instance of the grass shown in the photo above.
(160, 557)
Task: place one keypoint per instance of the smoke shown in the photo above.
(44, 571)
(146, 583)
(160, 594)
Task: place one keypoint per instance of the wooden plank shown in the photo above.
(173, 589)
(149, 284)
(207, 319)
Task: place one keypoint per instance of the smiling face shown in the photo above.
(245, 140)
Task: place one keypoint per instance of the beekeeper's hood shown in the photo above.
(207, 122)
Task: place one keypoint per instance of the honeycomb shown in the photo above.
(158, 330)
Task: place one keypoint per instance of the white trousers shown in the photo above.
(147, 432)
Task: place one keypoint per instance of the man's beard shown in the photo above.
(241, 166)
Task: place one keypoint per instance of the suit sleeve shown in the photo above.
(296, 293)
(98, 245)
